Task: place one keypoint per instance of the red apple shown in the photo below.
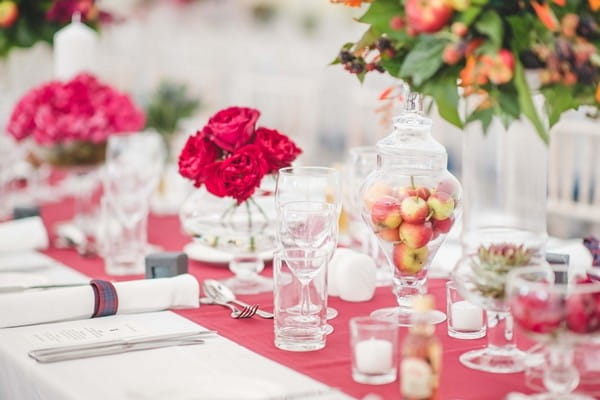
(8, 13)
(442, 226)
(389, 235)
(416, 235)
(441, 205)
(414, 210)
(447, 186)
(375, 192)
(409, 191)
(409, 261)
(427, 15)
(386, 212)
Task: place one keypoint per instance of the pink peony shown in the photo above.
(82, 109)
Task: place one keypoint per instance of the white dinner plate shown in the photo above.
(199, 252)
(21, 279)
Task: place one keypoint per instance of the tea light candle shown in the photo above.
(373, 356)
(466, 316)
(74, 50)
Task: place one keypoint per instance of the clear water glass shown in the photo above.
(300, 299)
(321, 184)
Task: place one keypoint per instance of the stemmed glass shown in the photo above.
(559, 309)
(321, 184)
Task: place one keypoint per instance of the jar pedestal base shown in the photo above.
(495, 360)
(403, 315)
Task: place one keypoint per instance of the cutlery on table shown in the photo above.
(23, 288)
(72, 352)
(246, 312)
(219, 292)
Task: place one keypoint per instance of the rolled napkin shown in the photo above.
(63, 304)
(23, 234)
(354, 275)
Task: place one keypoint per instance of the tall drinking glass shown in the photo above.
(321, 184)
(133, 167)
(300, 298)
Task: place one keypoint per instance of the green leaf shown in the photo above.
(424, 60)
(558, 100)
(490, 24)
(526, 101)
(368, 38)
(444, 90)
(484, 115)
(392, 66)
(469, 15)
(379, 13)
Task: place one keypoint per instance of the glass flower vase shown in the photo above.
(244, 231)
(410, 202)
(81, 162)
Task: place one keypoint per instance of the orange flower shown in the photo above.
(351, 3)
(545, 15)
(598, 93)
(472, 74)
(561, 3)
(594, 4)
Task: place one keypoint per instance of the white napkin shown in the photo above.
(352, 276)
(23, 234)
(61, 304)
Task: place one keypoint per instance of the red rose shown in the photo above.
(279, 150)
(237, 176)
(232, 127)
(197, 154)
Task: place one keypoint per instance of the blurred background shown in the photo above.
(205, 55)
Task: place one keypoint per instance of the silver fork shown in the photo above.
(247, 312)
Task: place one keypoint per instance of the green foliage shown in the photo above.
(168, 106)
(423, 61)
(31, 26)
(500, 39)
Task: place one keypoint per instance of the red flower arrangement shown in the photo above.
(230, 156)
(81, 110)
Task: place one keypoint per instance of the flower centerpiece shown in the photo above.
(229, 159)
(452, 48)
(24, 23)
(70, 122)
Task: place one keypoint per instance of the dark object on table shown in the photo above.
(593, 246)
(559, 259)
(26, 212)
(164, 265)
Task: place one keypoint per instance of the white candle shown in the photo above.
(75, 48)
(466, 316)
(373, 356)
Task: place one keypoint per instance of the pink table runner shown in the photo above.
(330, 365)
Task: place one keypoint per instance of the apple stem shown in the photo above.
(412, 182)
(429, 215)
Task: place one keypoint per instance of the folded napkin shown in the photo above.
(352, 276)
(23, 234)
(61, 304)
(592, 244)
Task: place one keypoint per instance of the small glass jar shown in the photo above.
(410, 202)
